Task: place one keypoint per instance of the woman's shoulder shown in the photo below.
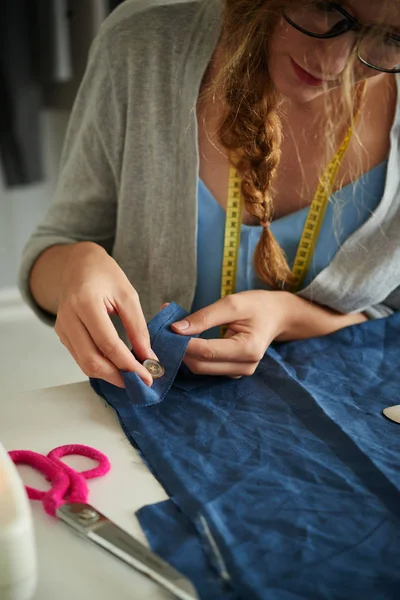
(150, 24)
(152, 40)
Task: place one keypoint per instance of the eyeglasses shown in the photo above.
(376, 47)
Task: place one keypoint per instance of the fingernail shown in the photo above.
(182, 325)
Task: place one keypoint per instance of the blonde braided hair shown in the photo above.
(251, 129)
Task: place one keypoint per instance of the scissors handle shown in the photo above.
(67, 485)
(80, 450)
(78, 490)
(58, 479)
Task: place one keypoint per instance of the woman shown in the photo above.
(174, 93)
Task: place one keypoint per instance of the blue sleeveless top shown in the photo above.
(347, 211)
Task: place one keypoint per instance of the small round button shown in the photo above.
(155, 368)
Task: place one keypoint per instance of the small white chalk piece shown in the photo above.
(393, 413)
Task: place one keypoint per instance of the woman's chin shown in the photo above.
(298, 94)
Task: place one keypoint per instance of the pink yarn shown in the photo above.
(78, 449)
(67, 485)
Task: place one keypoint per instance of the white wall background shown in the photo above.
(21, 208)
(31, 355)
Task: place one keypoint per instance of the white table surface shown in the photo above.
(69, 566)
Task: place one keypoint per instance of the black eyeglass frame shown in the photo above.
(351, 24)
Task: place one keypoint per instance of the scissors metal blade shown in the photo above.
(92, 524)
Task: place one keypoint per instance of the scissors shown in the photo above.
(67, 500)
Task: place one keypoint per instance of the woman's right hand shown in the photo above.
(94, 287)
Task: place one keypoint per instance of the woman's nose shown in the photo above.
(334, 54)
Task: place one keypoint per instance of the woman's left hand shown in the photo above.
(253, 318)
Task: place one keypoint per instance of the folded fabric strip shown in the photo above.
(170, 350)
(290, 477)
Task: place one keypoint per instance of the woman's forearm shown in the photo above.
(307, 320)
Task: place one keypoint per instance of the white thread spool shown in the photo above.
(18, 564)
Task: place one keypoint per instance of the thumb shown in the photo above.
(197, 322)
(214, 315)
(223, 311)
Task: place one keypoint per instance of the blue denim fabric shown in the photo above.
(290, 478)
(180, 545)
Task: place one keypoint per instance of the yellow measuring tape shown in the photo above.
(315, 216)
(233, 225)
(311, 228)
